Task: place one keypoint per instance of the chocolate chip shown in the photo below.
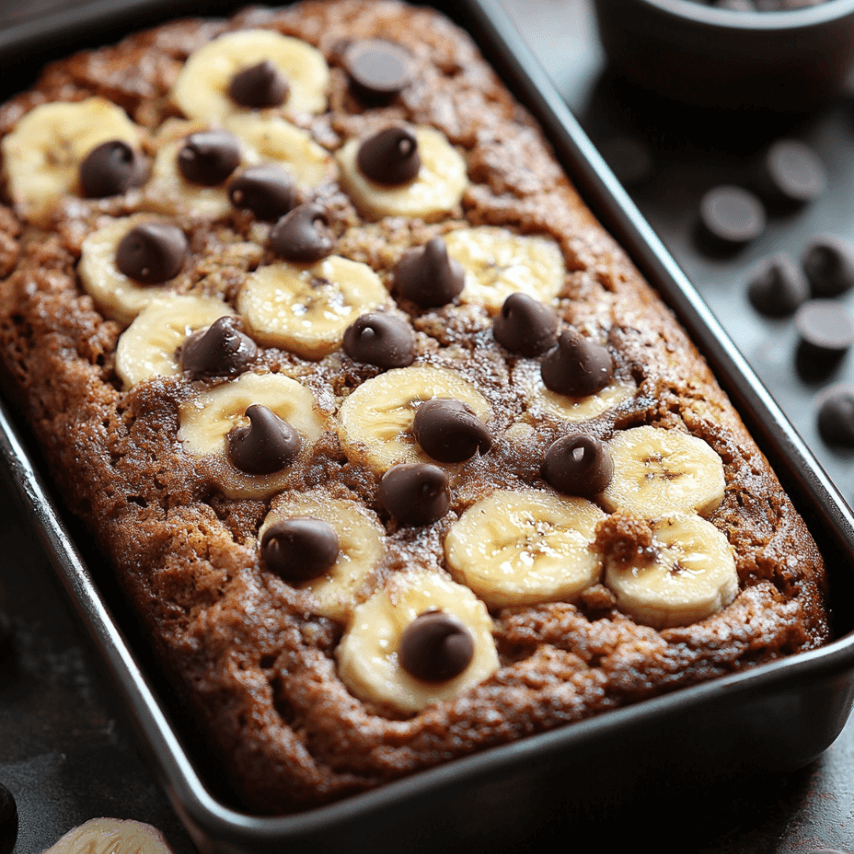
(380, 339)
(209, 157)
(415, 493)
(828, 262)
(111, 169)
(8, 821)
(300, 549)
(578, 464)
(836, 415)
(303, 236)
(435, 647)
(268, 191)
(576, 367)
(152, 253)
(220, 350)
(267, 444)
(390, 157)
(777, 286)
(630, 159)
(525, 326)
(791, 173)
(378, 69)
(825, 327)
(731, 215)
(449, 431)
(261, 85)
(429, 276)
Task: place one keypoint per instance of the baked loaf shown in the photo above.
(396, 455)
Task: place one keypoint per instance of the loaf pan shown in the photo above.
(611, 773)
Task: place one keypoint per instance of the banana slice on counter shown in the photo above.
(112, 836)
(659, 472)
(523, 548)
(375, 421)
(688, 574)
(306, 309)
(370, 654)
(202, 90)
(42, 155)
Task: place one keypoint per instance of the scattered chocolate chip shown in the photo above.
(429, 276)
(219, 350)
(449, 431)
(828, 262)
(265, 445)
(299, 549)
(8, 821)
(791, 173)
(209, 157)
(630, 159)
(111, 169)
(825, 327)
(415, 493)
(380, 339)
(268, 191)
(261, 85)
(152, 252)
(836, 415)
(303, 236)
(578, 465)
(525, 326)
(731, 215)
(378, 69)
(435, 647)
(777, 286)
(576, 367)
(390, 157)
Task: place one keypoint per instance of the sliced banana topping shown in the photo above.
(686, 575)
(204, 88)
(376, 420)
(307, 309)
(523, 548)
(542, 400)
(659, 472)
(369, 659)
(360, 548)
(112, 836)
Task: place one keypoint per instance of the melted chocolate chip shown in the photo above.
(299, 549)
(828, 262)
(221, 349)
(378, 69)
(268, 191)
(428, 275)
(209, 157)
(390, 157)
(303, 236)
(415, 493)
(578, 465)
(778, 286)
(8, 821)
(449, 431)
(111, 169)
(267, 444)
(261, 85)
(577, 367)
(836, 415)
(380, 339)
(435, 647)
(152, 253)
(525, 326)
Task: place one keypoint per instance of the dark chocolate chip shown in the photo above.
(265, 445)
(825, 327)
(576, 367)
(219, 350)
(836, 415)
(732, 215)
(299, 549)
(435, 647)
(828, 262)
(380, 339)
(268, 191)
(578, 464)
(390, 157)
(449, 431)
(429, 276)
(111, 169)
(152, 253)
(777, 286)
(209, 157)
(415, 493)
(525, 326)
(791, 173)
(378, 69)
(261, 85)
(630, 159)
(303, 236)
(8, 821)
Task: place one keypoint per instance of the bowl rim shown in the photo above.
(790, 19)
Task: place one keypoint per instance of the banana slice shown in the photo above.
(659, 472)
(523, 548)
(498, 263)
(542, 400)
(112, 836)
(360, 543)
(42, 155)
(207, 419)
(202, 88)
(376, 419)
(437, 189)
(306, 309)
(368, 655)
(688, 574)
